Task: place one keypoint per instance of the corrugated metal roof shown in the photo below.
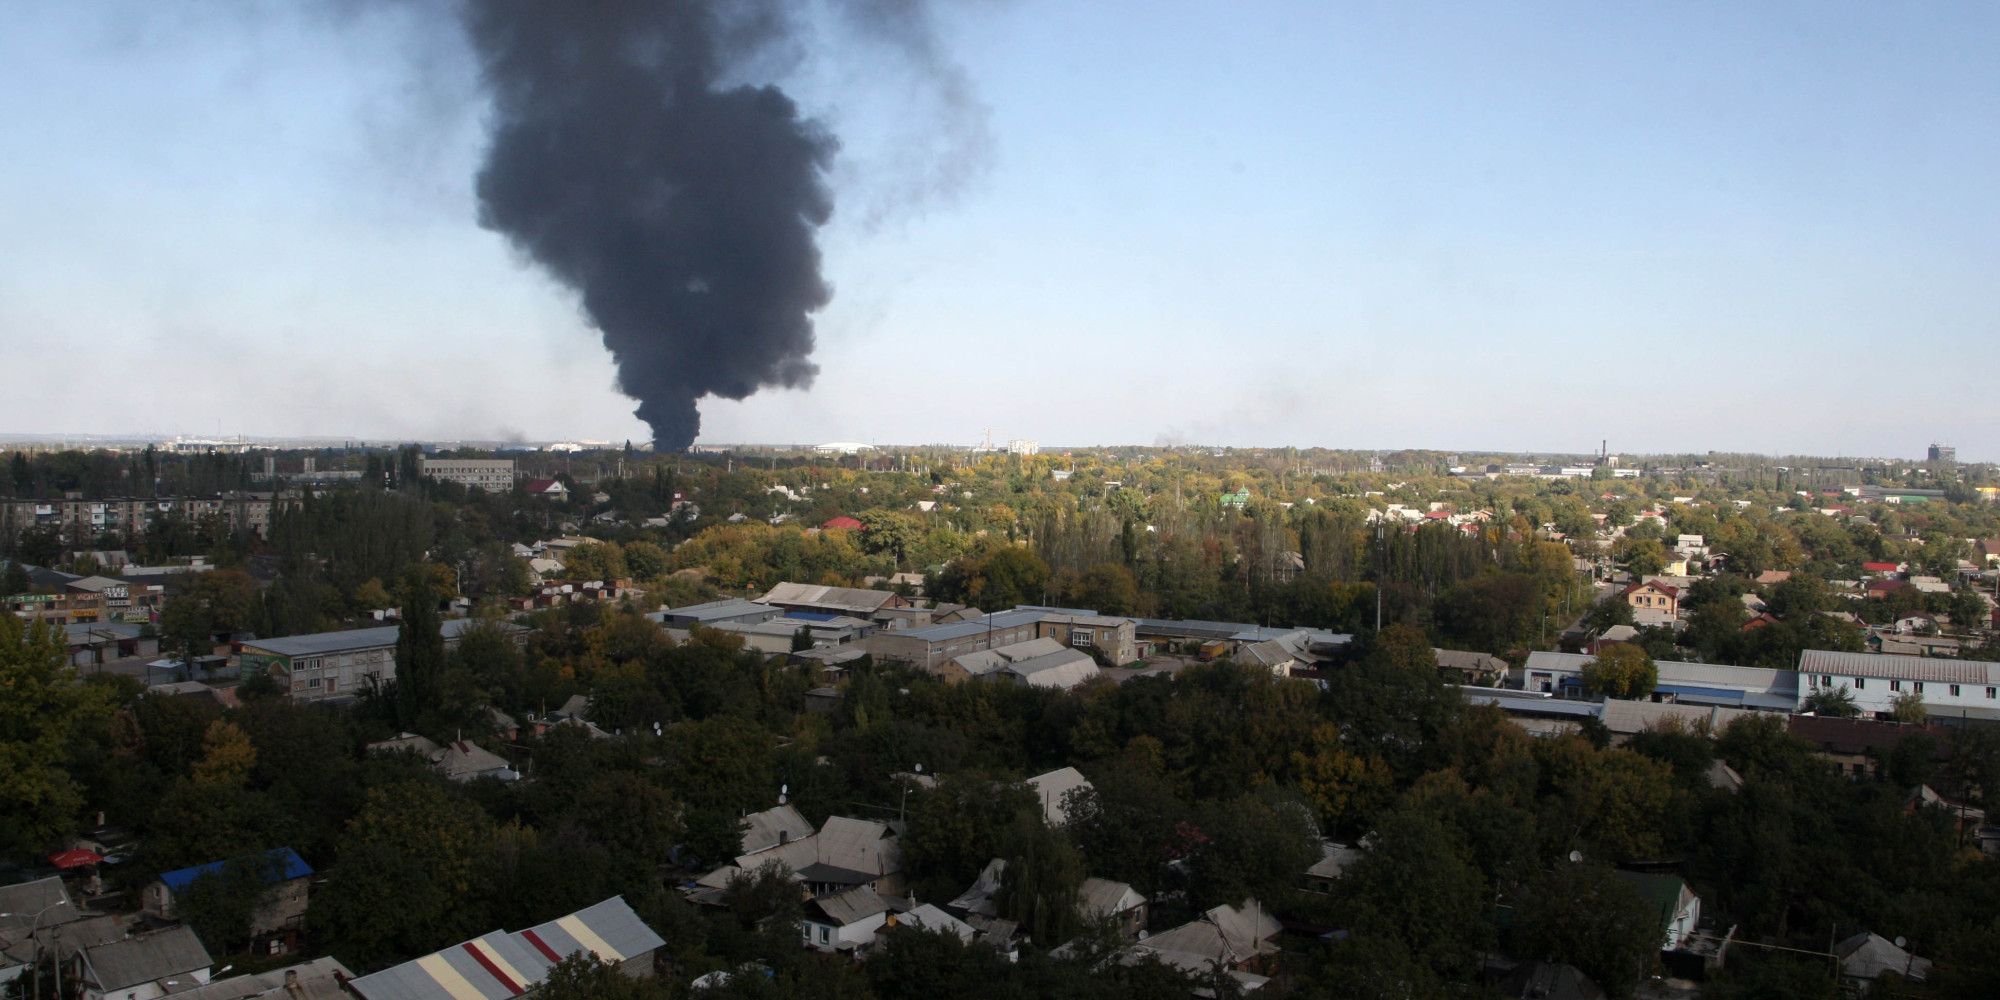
(284, 865)
(841, 598)
(1051, 788)
(958, 630)
(1907, 668)
(1062, 670)
(322, 643)
(767, 829)
(499, 966)
(1099, 898)
(163, 954)
(1621, 716)
(854, 905)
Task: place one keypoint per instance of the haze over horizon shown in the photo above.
(1765, 230)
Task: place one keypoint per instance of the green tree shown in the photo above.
(420, 659)
(1420, 888)
(1109, 589)
(1621, 670)
(647, 561)
(1587, 916)
(42, 710)
(1835, 702)
(893, 533)
(583, 976)
(226, 757)
(1908, 708)
(412, 874)
(16, 581)
(1040, 888)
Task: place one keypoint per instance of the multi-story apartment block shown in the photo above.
(80, 522)
(495, 475)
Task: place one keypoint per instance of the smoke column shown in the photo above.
(682, 209)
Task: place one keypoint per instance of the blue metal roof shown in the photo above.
(1704, 692)
(812, 616)
(286, 861)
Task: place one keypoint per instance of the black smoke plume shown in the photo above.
(681, 206)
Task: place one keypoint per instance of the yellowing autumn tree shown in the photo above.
(227, 756)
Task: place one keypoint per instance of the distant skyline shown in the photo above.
(1766, 229)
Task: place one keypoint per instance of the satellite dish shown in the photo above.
(782, 789)
(1902, 941)
(1575, 856)
(920, 769)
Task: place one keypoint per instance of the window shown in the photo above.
(1825, 681)
(1954, 690)
(1990, 692)
(1895, 685)
(824, 935)
(313, 682)
(1919, 685)
(1081, 636)
(1860, 682)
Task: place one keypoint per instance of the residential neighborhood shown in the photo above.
(696, 748)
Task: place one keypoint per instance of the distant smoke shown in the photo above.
(681, 206)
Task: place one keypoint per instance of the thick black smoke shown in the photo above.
(680, 207)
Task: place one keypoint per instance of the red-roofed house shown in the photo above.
(547, 488)
(1653, 602)
(1881, 567)
(843, 521)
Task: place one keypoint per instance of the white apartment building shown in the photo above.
(495, 475)
(1947, 686)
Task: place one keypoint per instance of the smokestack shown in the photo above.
(681, 209)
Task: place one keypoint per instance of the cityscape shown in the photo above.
(903, 499)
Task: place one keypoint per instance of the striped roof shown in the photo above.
(499, 966)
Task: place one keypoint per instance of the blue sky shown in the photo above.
(1762, 227)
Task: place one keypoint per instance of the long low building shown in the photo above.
(1948, 687)
(1714, 684)
(343, 664)
(501, 966)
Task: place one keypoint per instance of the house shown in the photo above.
(1947, 686)
(1771, 577)
(459, 760)
(1467, 667)
(500, 966)
(32, 910)
(1868, 956)
(1104, 901)
(773, 827)
(1678, 907)
(1881, 568)
(550, 488)
(1653, 602)
(929, 918)
(1088, 630)
(1857, 747)
(1916, 623)
(1334, 860)
(144, 966)
(1052, 790)
(845, 853)
(843, 523)
(846, 920)
(319, 979)
(277, 922)
(1226, 938)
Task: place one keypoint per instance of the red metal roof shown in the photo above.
(843, 521)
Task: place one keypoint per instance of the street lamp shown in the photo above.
(34, 938)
